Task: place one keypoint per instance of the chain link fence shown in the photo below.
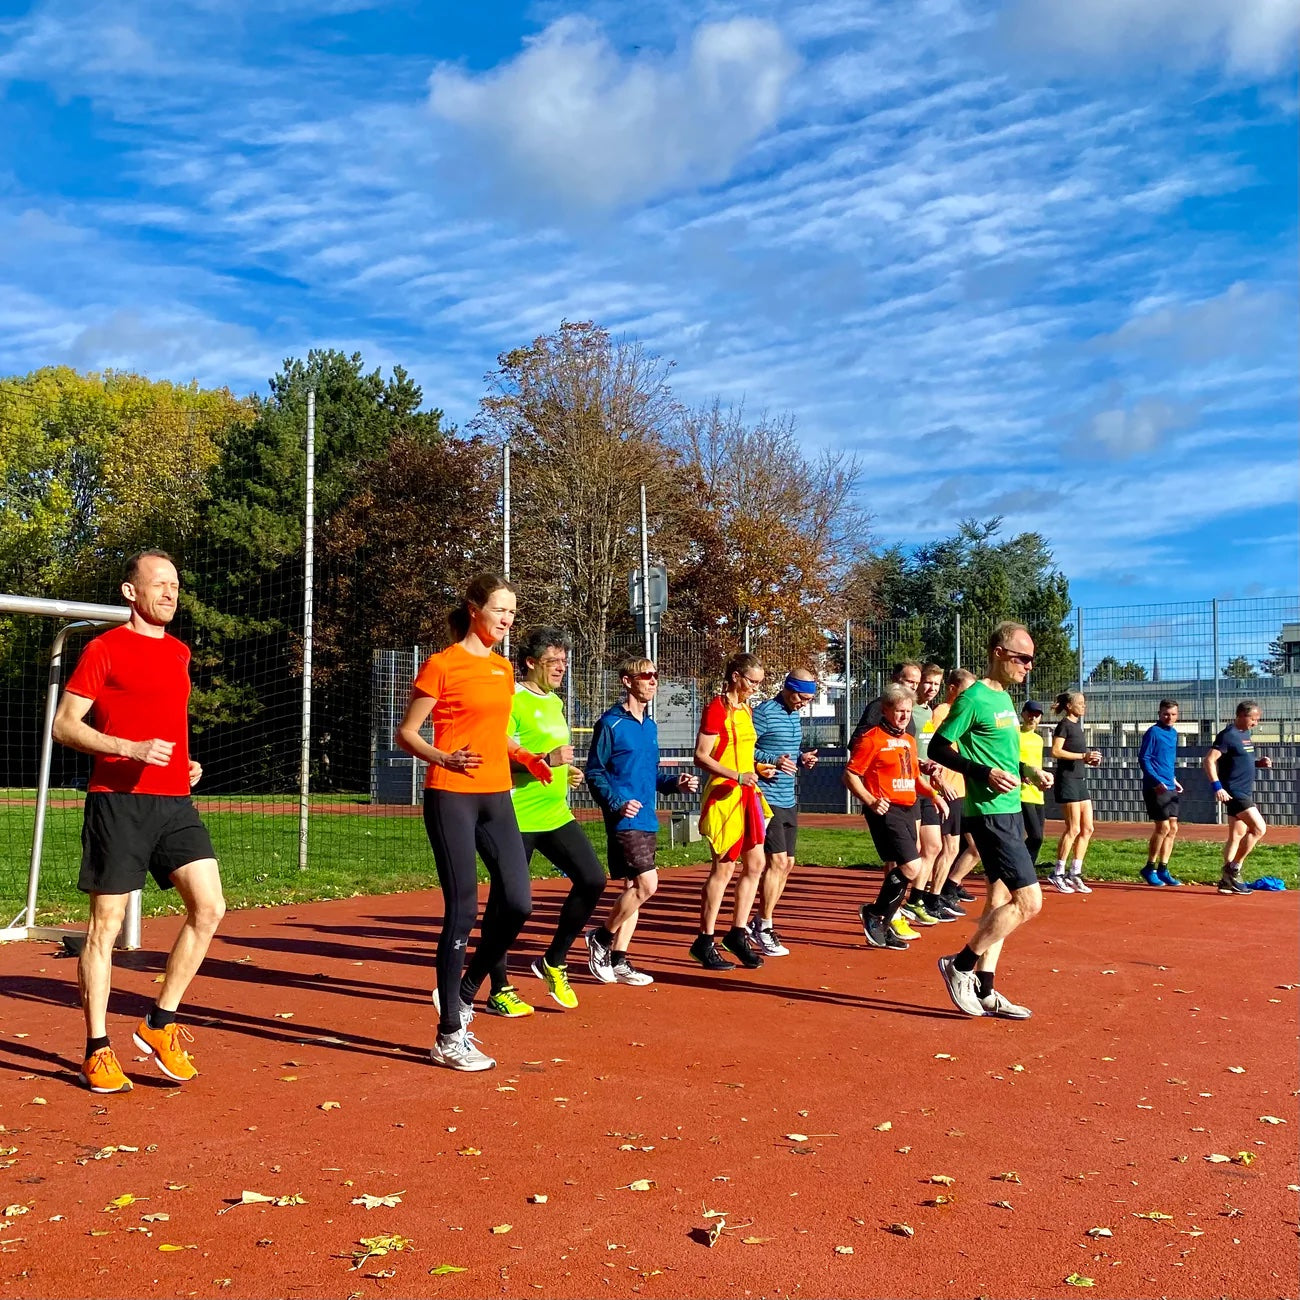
(366, 793)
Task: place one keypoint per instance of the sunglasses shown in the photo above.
(1027, 660)
(645, 677)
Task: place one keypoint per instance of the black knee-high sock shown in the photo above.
(893, 889)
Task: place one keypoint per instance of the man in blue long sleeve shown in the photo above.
(1160, 791)
(624, 777)
(779, 749)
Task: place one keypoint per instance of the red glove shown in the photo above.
(535, 765)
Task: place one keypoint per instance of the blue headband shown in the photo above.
(800, 685)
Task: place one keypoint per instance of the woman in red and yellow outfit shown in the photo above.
(733, 815)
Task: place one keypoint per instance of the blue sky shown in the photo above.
(1034, 258)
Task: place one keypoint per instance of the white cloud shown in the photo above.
(572, 118)
(1247, 38)
(1124, 431)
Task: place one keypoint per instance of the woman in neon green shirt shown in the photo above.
(538, 726)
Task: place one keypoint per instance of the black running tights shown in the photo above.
(568, 848)
(456, 823)
(1032, 816)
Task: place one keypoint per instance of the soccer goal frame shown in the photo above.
(83, 617)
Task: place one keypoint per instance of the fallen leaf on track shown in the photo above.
(374, 1246)
(944, 1180)
(639, 1185)
(391, 1200)
(885, 1127)
(1002, 1205)
(1076, 1279)
(754, 1241)
(443, 1269)
(13, 1211)
(284, 1015)
(1236, 1069)
(1153, 1214)
(329, 1105)
(1100, 1232)
(121, 1202)
(844, 1250)
(469, 1151)
(538, 1199)
(161, 1217)
(1217, 1159)
(165, 1247)
(501, 1229)
(1009, 1177)
(901, 1229)
(1271, 1119)
(1246, 1158)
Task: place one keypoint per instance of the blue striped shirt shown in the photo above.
(779, 731)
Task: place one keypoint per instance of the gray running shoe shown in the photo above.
(996, 1005)
(962, 986)
(458, 1052)
(1232, 883)
(1060, 884)
(1078, 885)
(626, 973)
(599, 961)
(466, 1009)
(766, 940)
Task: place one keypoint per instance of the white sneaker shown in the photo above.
(1060, 884)
(466, 1009)
(996, 1005)
(626, 973)
(1077, 884)
(766, 940)
(458, 1052)
(963, 987)
(599, 961)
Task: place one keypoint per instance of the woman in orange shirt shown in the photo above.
(733, 815)
(885, 774)
(466, 691)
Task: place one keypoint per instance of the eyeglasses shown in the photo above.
(1027, 660)
(752, 681)
(645, 677)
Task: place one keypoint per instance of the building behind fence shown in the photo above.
(1126, 659)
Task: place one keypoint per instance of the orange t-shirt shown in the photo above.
(888, 766)
(472, 695)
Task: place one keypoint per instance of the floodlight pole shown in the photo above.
(308, 612)
(645, 576)
(505, 525)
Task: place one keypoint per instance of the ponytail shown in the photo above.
(477, 593)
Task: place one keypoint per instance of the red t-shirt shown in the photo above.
(472, 696)
(140, 686)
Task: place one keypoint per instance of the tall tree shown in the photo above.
(1110, 669)
(1241, 668)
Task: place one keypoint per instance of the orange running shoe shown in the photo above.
(100, 1072)
(164, 1045)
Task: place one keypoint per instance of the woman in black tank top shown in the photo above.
(1073, 758)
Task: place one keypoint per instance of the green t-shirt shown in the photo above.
(537, 723)
(983, 724)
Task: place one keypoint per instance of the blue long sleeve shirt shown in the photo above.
(623, 764)
(1156, 756)
(779, 732)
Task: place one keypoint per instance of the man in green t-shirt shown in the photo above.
(980, 738)
(538, 726)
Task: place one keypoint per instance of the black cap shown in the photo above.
(1033, 706)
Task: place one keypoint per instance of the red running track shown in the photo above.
(1105, 1106)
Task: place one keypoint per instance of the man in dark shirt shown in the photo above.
(907, 673)
(1230, 768)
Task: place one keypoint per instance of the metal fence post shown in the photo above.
(309, 558)
(848, 703)
(956, 639)
(1214, 635)
(1078, 619)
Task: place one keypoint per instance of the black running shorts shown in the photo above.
(1071, 787)
(126, 837)
(1162, 803)
(1000, 842)
(952, 822)
(929, 813)
(631, 853)
(893, 832)
(782, 831)
(1235, 807)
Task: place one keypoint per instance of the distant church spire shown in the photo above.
(1155, 666)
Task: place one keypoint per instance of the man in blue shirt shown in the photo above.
(779, 729)
(624, 777)
(1230, 767)
(1160, 791)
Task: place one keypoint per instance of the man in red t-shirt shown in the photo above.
(134, 683)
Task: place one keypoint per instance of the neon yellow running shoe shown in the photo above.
(506, 1002)
(902, 929)
(556, 979)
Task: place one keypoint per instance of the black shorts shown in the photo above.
(966, 823)
(782, 831)
(893, 832)
(126, 837)
(953, 822)
(1071, 787)
(1031, 818)
(929, 813)
(631, 853)
(1000, 842)
(1235, 807)
(1162, 804)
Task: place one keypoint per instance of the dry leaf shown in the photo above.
(443, 1269)
(501, 1229)
(288, 1078)
(373, 1246)
(1247, 1158)
(329, 1105)
(797, 1137)
(715, 1230)
(901, 1230)
(160, 1217)
(1271, 1119)
(942, 1200)
(1155, 1215)
(13, 1211)
(469, 1151)
(1017, 1069)
(391, 1200)
(39, 1101)
(1217, 1159)
(177, 1187)
(1009, 1177)
(1076, 1280)
(284, 1015)
(943, 1056)
(166, 1247)
(537, 1198)
(641, 1185)
(121, 1202)
(1236, 1069)
(754, 1241)
(844, 1250)
(1003, 1205)
(944, 1180)
(885, 1127)
(1100, 1232)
